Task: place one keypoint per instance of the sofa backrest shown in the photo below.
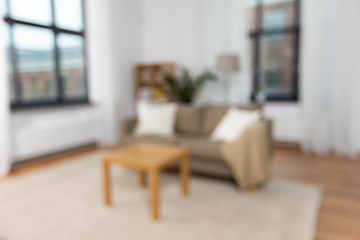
(211, 117)
(189, 119)
(203, 119)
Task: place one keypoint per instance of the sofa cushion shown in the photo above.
(188, 119)
(212, 115)
(156, 119)
(233, 124)
(200, 146)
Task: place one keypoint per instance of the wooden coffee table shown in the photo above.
(151, 158)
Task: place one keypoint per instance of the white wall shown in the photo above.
(287, 121)
(41, 132)
(5, 137)
(192, 33)
(37, 132)
(127, 18)
(112, 48)
(170, 32)
(121, 33)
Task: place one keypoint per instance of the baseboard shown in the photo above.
(290, 145)
(53, 156)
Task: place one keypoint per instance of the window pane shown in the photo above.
(3, 9)
(277, 54)
(35, 54)
(72, 65)
(252, 14)
(278, 13)
(68, 14)
(36, 11)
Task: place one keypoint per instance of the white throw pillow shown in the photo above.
(156, 119)
(233, 124)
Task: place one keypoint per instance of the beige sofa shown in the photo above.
(193, 126)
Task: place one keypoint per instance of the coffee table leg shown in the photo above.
(142, 178)
(185, 174)
(154, 193)
(106, 180)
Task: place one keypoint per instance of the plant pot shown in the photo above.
(260, 98)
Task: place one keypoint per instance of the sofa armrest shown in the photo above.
(263, 129)
(127, 126)
(249, 157)
(269, 126)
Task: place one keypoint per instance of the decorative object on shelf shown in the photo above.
(144, 94)
(227, 64)
(151, 78)
(185, 86)
(158, 92)
(260, 96)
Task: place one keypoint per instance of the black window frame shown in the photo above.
(18, 103)
(256, 34)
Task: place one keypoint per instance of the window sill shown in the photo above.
(279, 99)
(50, 106)
(290, 100)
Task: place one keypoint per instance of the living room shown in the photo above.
(292, 173)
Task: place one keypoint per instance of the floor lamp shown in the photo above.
(227, 64)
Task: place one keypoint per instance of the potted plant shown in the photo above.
(185, 86)
(260, 95)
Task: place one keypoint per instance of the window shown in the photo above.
(45, 52)
(274, 48)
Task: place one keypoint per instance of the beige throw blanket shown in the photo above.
(249, 156)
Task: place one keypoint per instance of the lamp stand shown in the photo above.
(226, 88)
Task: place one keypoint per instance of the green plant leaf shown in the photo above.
(185, 86)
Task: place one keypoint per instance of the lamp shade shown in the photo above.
(228, 63)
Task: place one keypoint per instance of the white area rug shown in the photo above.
(64, 202)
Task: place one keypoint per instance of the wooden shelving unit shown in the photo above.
(151, 75)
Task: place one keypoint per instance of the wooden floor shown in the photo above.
(339, 216)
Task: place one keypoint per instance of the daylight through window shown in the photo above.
(274, 48)
(45, 51)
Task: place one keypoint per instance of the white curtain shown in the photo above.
(112, 48)
(330, 76)
(222, 29)
(101, 69)
(5, 161)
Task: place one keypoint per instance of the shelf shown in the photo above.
(151, 75)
